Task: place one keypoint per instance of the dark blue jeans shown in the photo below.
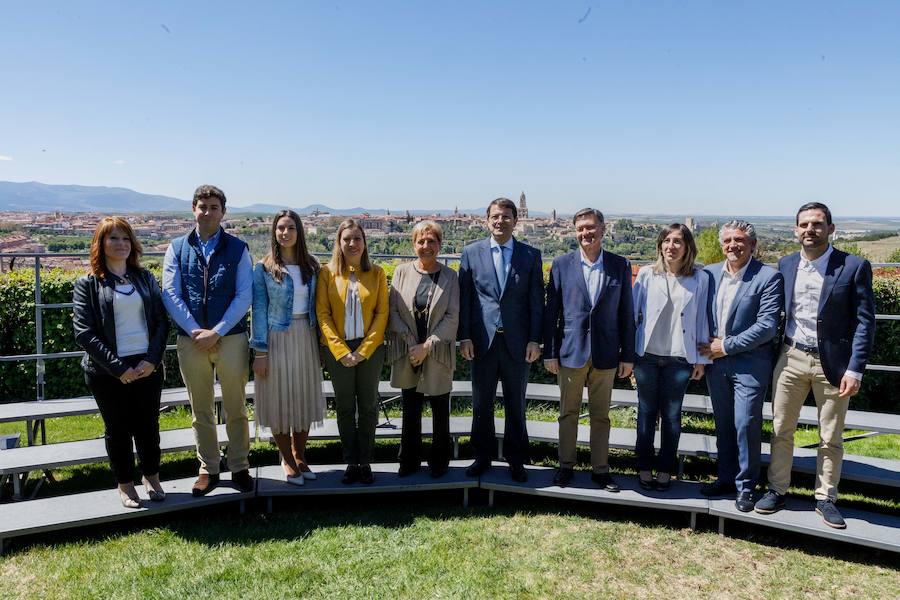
(661, 383)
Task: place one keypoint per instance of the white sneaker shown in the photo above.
(295, 479)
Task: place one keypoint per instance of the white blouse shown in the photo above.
(301, 292)
(132, 336)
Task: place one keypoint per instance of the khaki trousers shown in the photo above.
(795, 375)
(571, 385)
(230, 362)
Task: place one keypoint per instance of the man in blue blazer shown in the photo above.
(746, 312)
(829, 334)
(501, 291)
(589, 337)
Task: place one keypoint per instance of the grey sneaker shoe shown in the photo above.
(830, 514)
(770, 502)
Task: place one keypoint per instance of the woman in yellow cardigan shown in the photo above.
(352, 309)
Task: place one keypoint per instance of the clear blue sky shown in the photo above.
(677, 108)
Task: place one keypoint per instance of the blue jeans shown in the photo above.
(661, 383)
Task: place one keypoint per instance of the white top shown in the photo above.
(728, 288)
(593, 275)
(353, 321)
(667, 337)
(301, 292)
(131, 324)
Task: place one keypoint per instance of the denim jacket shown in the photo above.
(273, 306)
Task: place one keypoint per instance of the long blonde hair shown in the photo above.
(337, 263)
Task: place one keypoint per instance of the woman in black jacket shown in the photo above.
(121, 323)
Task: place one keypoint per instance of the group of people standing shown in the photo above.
(677, 322)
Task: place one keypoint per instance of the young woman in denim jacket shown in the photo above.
(289, 398)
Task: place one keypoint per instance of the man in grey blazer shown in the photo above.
(749, 299)
(501, 291)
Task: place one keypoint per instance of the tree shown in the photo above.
(894, 256)
(709, 250)
(851, 248)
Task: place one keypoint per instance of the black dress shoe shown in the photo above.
(647, 484)
(438, 472)
(605, 481)
(407, 470)
(477, 468)
(243, 480)
(518, 473)
(717, 488)
(744, 501)
(351, 474)
(563, 477)
(365, 475)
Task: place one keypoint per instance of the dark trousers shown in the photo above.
(411, 436)
(512, 373)
(356, 401)
(661, 383)
(130, 416)
(737, 400)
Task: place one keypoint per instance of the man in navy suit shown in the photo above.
(589, 335)
(749, 299)
(501, 291)
(829, 334)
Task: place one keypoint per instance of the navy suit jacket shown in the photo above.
(752, 322)
(846, 319)
(574, 332)
(521, 305)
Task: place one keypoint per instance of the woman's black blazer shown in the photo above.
(95, 321)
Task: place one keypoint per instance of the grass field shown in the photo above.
(879, 250)
(427, 546)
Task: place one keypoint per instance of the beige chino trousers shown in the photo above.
(795, 375)
(571, 388)
(230, 362)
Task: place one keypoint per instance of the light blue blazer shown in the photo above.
(650, 298)
(273, 306)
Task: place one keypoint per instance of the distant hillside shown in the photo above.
(38, 197)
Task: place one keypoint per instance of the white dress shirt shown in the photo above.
(728, 287)
(593, 275)
(802, 322)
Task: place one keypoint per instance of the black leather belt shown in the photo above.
(802, 347)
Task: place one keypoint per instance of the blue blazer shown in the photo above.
(753, 320)
(846, 322)
(480, 302)
(574, 332)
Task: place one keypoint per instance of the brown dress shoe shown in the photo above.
(204, 484)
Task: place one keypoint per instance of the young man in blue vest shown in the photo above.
(208, 289)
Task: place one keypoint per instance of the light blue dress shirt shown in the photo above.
(178, 308)
(593, 275)
(502, 256)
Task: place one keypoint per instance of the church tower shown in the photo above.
(523, 208)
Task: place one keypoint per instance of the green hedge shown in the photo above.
(64, 378)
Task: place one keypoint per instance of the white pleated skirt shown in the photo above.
(290, 396)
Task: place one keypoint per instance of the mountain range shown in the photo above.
(33, 196)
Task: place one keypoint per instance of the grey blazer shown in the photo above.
(436, 375)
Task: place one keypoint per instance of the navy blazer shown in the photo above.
(755, 314)
(846, 320)
(480, 301)
(574, 332)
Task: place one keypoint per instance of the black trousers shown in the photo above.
(130, 415)
(512, 373)
(411, 436)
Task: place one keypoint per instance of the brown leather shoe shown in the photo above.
(205, 484)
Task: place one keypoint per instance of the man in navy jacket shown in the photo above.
(749, 299)
(501, 291)
(589, 336)
(829, 334)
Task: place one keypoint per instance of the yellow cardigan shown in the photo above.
(331, 293)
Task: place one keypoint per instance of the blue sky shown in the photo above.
(652, 107)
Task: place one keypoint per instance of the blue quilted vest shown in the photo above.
(209, 289)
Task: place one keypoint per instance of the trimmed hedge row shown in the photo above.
(64, 378)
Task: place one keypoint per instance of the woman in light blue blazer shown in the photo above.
(670, 308)
(288, 375)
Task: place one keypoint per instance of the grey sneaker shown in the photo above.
(830, 514)
(770, 502)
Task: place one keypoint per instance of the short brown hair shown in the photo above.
(503, 203)
(98, 254)
(205, 192)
